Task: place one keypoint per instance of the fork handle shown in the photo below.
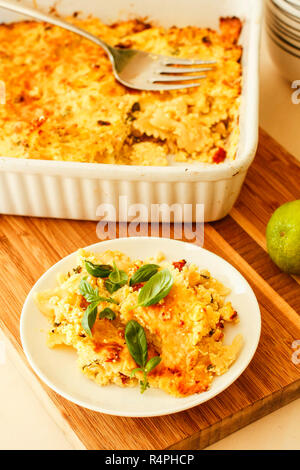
(38, 15)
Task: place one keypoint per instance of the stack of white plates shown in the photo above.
(283, 28)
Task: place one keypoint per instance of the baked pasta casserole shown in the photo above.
(105, 305)
(63, 102)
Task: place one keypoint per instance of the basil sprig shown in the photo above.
(118, 276)
(136, 341)
(107, 313)
(98, 270)
(143, 274)
(116, 279)
(155, 289)
(91, 295)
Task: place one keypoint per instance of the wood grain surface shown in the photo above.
(29, 246)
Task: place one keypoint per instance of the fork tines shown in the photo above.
(171, 69)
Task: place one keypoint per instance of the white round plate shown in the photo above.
(58, 369)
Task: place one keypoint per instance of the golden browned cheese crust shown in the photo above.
(186, 328)
(63, 102)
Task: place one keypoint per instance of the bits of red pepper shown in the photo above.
(179, 264)
(219, 156)
(136, 287)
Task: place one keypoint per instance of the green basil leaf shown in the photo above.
(107, 313)
(143, 274)
(136, 341)
(98, 270)
(152, 363)
(117, 276)
(92, 295)
(86, 289)
(89, 318)
(156, 288)
(111, 287)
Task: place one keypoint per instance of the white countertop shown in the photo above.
(25, 421)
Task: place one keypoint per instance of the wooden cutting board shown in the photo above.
(29, 246)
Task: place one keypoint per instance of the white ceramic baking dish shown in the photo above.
(75, 190)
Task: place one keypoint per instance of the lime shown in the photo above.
(283, 237)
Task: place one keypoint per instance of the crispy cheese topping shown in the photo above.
(63, 102)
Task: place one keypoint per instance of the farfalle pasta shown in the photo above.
(63, 102)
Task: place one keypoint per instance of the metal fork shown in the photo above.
(134, 69)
